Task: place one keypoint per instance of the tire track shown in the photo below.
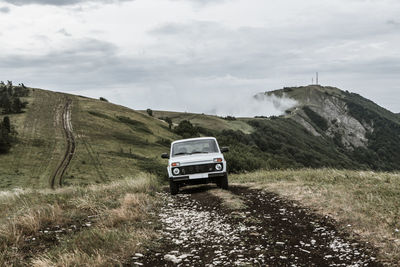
(70, 150)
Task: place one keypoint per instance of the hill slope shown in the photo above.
(112, 142)
(109, 141)
(367, 132)
(69, 140)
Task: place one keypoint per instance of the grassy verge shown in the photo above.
(98, 225)
(364, 203)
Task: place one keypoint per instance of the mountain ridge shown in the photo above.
(113, 142)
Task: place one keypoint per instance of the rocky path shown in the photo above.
(196, 230)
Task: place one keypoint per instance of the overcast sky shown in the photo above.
(185, 54)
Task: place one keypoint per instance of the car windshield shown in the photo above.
(194, 147)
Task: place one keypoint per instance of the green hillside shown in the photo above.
(329, 128)
(369, 133)
(112, 142)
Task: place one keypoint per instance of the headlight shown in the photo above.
(176, 171)
(218, 167)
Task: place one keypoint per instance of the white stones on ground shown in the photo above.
(138, 255)
(172, 258)
(306, 251)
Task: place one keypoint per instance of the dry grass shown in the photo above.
(108, 222)
(364, 202)
(229, 200)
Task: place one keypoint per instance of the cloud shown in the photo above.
(393, 22)
(64, 32)
(4, 9)
(59, 2)
(210, 60)
(203, 3)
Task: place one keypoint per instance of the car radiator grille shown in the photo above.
(197, 169)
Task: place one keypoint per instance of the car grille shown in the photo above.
(197, 169)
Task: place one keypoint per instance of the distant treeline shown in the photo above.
(10, 103)
(10, 97)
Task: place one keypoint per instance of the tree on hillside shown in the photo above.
(7, 124)
(186, 129)
(5, 104)
(150, 112)
(17, 105)
(5, 138)
(169, 121)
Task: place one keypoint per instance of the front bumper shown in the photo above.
(198, 177)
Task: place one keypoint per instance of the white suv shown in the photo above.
(196, 161)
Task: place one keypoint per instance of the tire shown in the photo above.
(173, 187)
(223, 182)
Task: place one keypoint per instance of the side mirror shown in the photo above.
(164, 156)
(224, 149)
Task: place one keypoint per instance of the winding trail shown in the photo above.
(196, 229)
(57, 177)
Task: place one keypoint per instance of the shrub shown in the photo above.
(149, 112)
(186, 129)
(103, 99)
(229, 118)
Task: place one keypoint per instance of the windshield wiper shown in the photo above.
(199, 152)
(180, 153)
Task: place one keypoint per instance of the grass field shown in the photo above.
(97, 225)
(40, 143)
(363, 202)
(112, 142)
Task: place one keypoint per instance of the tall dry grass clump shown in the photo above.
(97, 225)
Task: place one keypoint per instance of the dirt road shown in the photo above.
(57, 177)
(197, 230)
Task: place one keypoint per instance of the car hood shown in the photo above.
(196, 158)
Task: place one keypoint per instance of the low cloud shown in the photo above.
(247, 106)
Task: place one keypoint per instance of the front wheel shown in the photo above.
(173, 187)
(223, 182)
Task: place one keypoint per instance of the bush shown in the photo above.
(5, 135)
(229, 118)
(149, 112)
(103, 99)
(186, 129)
(167, 120)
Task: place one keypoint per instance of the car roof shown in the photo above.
(193, 139)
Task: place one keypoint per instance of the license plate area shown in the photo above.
(198, 176)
